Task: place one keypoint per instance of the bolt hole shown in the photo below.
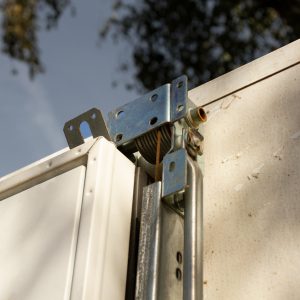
(93, 116)
(154, 97)
(153, 120)
(179, 257)
(120, 114)
(179, 84)
(172, 166)
(119, 137)
(178, 274)
(180, 107)
(71, 127)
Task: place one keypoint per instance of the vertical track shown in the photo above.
(147, 281)
(193, 234)
(141, 180)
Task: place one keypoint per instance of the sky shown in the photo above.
(79, 76)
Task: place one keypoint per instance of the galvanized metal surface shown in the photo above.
(171, 258)
(141, 180)
(193, 233)
(179, 98)
(160, 260)
(147, 280)
(251, 182)
(165, 104)
(174, 173)
(141, 115)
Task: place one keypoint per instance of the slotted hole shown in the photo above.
(93, 116)
(71, 127)
(178, 274)
(85, 129)
(179, 257)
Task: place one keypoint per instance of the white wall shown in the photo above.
(251, 183)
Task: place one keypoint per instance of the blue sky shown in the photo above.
(78, 77)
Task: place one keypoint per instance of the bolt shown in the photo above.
(196, 116)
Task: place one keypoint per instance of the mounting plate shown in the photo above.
(165, 104)
(97, 126)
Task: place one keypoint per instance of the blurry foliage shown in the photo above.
(20, 25)
(200, 38)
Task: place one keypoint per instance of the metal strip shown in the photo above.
(193, 234)
(141, 180)
(171, 255)
(174, 173)
(147, 282)
(179, 98)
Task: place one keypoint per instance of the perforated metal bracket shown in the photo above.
(174, 178)
(165, 104)
(95, 121)
(179, 98)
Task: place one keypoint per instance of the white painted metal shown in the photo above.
(65, 225)
(240, 78)
(38, 238)
(251, 183)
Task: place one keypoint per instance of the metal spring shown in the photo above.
(147, 143)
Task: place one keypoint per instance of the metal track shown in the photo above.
(170, 247)
(193, 234)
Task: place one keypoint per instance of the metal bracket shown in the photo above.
(97, 126)
(166, 249)
(179, 96)
(174, 173)
(165, 104)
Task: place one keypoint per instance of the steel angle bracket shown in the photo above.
(165, 104)
(95, 121)
(174, 179)
(179, 98)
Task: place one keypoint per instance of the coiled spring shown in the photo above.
(147, 143)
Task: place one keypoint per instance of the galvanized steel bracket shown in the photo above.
(174, 177)
(95, 121)
(165, 104)
(165, 124)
